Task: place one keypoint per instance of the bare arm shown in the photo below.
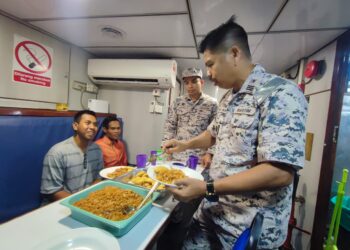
(262, 177)
(204, 140)
(63, 194)
(265, 176)
(59, 195)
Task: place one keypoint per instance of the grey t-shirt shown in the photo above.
(67, 168)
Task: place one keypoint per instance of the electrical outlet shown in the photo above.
(91, 88)
(156, 92)
(158, 109)
(79, 86)
(152, 106)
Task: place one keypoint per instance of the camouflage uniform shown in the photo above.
(187, 119)
(250, 129)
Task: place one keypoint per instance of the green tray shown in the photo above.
(117, 228)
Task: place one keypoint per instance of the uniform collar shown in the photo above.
(253, 80)
(188, 98)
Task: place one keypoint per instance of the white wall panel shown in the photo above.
(325, 82)
(78, 72)
(58, 92)
(142, 130)
(309, 176)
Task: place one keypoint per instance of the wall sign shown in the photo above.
(32, 62)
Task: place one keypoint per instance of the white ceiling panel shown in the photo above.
(314, 14)
(34, 9)
(279, 51)
(174, 30)
(253, 15)
(253, 41)
(144, 52)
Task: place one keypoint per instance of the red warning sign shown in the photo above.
(32, 62)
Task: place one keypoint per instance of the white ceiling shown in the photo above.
(280, 32)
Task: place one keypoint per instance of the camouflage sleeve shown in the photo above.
(282, 127)
(170, 125)
(211, 150)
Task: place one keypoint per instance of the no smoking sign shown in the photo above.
(32, 63)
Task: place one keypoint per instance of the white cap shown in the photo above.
(192, 72)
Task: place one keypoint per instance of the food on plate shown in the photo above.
(142, 179)
(119, 171)
(168, 175)
(110, 203)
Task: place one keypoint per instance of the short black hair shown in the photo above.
(78, 115)
(109, 119)
(223, 37)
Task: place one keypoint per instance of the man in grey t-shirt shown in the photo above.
(74, 163)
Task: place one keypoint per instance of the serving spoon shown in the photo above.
(129, 209)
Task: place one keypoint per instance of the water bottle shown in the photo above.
(153, 157)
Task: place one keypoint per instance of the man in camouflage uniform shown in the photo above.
(259, 133)
(188, 116)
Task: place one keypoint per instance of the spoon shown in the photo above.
(129, 209)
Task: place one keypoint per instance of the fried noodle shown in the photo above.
(110, 203)
(167, 175)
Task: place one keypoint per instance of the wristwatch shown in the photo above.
(210, 194)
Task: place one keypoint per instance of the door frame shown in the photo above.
(338, 88)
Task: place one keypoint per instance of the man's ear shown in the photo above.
(235, 51)
(75, 126)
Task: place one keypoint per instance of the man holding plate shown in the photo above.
(259, 133)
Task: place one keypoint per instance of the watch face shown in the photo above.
(212, 197)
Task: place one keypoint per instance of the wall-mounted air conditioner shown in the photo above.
(143, 73)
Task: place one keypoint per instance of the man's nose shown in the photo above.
(209, 74)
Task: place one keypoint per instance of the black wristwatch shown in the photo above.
(210, 195)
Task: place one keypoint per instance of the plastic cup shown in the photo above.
(192, 162)
(141, 160)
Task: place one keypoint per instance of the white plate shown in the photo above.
(87, 238)
(104, 172)
(187, 171)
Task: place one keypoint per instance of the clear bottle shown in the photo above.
(153, 157)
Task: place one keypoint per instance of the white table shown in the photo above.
(49, 221)
(52, 220)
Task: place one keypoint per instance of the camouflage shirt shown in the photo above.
(187, 119)
(249, 130)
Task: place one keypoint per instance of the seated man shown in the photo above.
(112, 147)
(74, 163)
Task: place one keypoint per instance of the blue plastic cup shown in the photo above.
(192, 162)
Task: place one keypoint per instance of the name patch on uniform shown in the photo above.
(245, 110)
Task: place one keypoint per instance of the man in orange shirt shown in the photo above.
(112, 147)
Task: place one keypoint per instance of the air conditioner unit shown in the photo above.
(142, 73)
